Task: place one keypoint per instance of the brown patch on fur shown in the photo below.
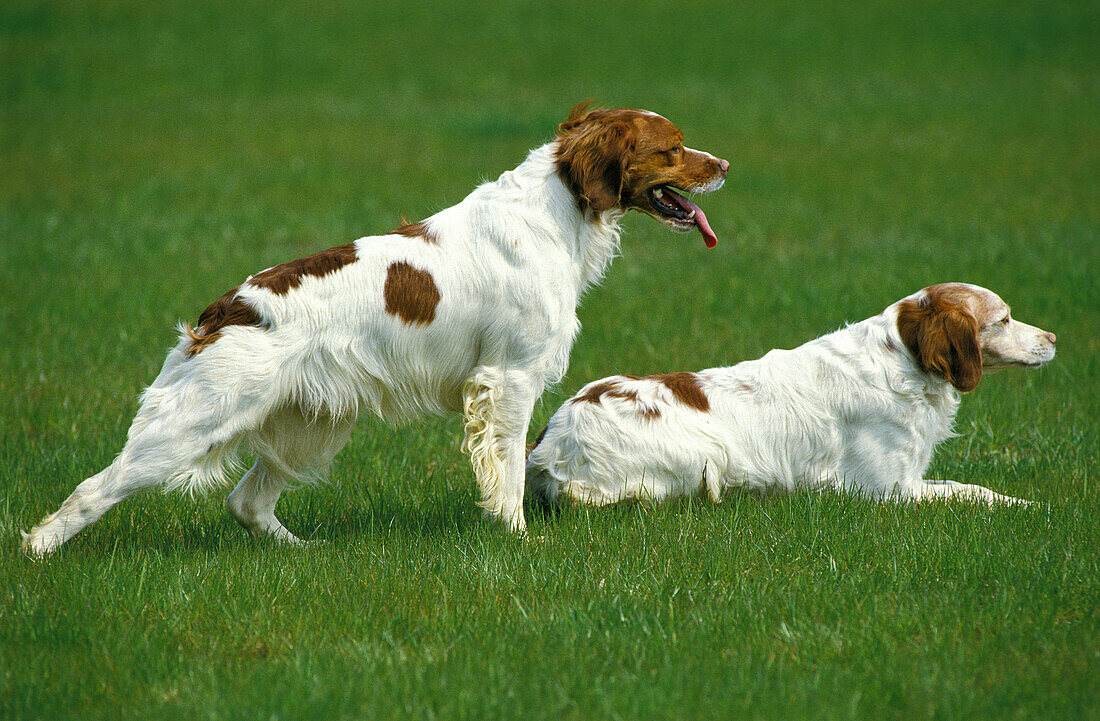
(285, 277)
(610, 389)
(415, 230)
(595, 392)
(942, 334)
(231, 310)
(225, 311)
(410, 293)
(685, 388)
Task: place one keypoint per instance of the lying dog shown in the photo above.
(860, 409)
(471, 310)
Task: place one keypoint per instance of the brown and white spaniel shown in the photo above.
(860, 409)
(472, 310)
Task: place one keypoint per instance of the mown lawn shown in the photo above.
(153, 155)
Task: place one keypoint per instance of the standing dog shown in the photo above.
(471, 310)
(860, 409)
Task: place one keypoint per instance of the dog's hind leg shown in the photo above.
(91, 499)
(291, 447)
(253, 501)
(188, 425)
(161, 449)
(497, 408)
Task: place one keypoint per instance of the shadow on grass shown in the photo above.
(374, 512)
(174, 526)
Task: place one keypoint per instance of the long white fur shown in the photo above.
(850, 410)
(513, 260)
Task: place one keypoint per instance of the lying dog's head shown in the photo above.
(634, 159)
(958, 330)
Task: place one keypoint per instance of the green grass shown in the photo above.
(152, 155)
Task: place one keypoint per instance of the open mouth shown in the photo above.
(681, 213)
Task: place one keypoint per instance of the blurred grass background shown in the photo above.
(153, 156)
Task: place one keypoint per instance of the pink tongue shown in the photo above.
(700, 218)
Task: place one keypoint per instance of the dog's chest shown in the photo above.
(535, 323)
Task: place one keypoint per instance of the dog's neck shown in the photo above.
(536, 190)
(902, 368)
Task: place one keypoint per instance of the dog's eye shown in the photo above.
(1004, 321)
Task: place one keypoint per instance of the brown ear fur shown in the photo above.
(943, 337)
(594, 149)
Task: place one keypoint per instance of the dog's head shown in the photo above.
(636, 160)
(957, 331)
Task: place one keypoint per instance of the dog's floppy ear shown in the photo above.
(594, 150)
(943, 337)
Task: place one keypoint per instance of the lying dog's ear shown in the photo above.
(594, 150)
(943, 337)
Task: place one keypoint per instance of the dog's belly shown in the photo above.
(776, 452)
(416, 373)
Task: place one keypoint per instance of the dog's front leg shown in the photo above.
(929, 490)
(497, 408)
